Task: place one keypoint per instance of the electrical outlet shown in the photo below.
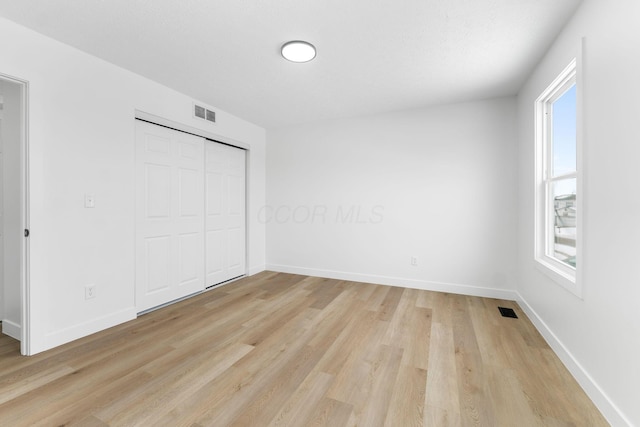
(414, 261)
(89, 291)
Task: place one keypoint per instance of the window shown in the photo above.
(557, 180)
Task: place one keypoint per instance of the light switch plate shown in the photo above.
(89, 201)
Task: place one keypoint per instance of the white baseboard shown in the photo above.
(452, 288)
(611, 412)
(12, 329)
(256, 269)
(75, 332)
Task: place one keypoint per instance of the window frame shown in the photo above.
(565, 275)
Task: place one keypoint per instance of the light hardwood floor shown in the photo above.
(279, 349)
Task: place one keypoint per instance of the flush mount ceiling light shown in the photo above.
(298, 51)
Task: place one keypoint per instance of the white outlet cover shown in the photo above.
(89, 291)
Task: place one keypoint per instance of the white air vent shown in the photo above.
(203, 113)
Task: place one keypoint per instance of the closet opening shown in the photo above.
(190, 214)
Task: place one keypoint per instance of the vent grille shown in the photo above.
(199, 111)
(204, 113)
(507, 312)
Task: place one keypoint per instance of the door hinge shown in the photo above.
(26, 232)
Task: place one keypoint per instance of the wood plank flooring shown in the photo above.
(286, 350)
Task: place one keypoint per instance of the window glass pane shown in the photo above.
(563, 247)
(564, 133)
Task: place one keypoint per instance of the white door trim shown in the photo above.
(151, 118)
(25, 294)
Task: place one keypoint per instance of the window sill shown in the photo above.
(562, 278)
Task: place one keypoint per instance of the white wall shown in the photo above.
(1, 212)
(438, 184)
(598, 337)
(12, 227)
(81, 124)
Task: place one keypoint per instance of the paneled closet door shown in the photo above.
(169, 215)
(225, 212)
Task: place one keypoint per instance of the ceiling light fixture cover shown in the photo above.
(298, 51)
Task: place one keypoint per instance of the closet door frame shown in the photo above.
(213, 137)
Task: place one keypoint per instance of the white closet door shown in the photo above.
(225, 212)
(169, 215)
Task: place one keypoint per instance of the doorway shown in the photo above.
(14, 227)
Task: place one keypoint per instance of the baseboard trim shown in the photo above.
(609, 410)
(12, 329)
(452, 288)
(63, 336)
(256, 269)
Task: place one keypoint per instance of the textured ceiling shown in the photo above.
(373, 55)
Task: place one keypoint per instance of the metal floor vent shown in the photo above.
(507, 312)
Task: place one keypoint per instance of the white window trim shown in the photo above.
(566, 276)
